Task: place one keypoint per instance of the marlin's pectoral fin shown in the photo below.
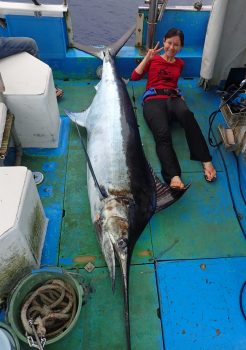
(165, 195)
(79, 118)
(97, 85)
(126, 81)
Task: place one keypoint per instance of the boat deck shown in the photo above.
(188, 265)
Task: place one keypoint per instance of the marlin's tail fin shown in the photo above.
(165, 195)
(113, 48)
(117, 45)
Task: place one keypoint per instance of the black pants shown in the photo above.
(159, 114)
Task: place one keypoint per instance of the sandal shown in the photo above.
(209, 171)
(177, 184)
(59, 92)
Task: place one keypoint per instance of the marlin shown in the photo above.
(123, 190)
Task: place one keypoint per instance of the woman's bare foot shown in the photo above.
(176, 183)
(209, 171)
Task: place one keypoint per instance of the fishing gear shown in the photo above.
(214, 114)
(36, 3)
(217, 144)
(198, 5)
(237, 214)
(38, 343)
(134, 101)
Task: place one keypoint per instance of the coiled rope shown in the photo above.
(52, 308)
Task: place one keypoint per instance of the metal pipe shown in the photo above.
(152, 18)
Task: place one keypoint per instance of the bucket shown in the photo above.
(31, 283)
(8, 339)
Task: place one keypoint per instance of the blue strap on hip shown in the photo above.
(149, 92)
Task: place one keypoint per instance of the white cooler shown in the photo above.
(30, 96)
(22, 226)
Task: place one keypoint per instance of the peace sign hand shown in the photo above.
(153, 52)
(150, 54)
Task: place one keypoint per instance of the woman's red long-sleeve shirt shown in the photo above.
(161, 74)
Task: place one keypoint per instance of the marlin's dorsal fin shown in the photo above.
(92, 50)
(79, 118)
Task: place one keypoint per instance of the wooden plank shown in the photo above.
(6, 135)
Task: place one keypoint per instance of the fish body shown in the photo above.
(116, 153)
(127, 192)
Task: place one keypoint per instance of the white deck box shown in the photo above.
(30, 96)
(22, 226)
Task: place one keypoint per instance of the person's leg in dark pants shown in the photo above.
(12, 45)
(195, 139)
(156, 116)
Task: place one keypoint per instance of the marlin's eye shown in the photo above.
(122, 243)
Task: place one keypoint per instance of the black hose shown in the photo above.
(241, 300)
(239, 179)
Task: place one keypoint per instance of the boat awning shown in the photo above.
(225, 43)
(15, 8)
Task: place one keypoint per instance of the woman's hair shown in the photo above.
(175, 32)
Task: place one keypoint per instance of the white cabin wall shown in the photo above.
(232, 48)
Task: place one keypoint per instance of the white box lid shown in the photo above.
(24, 74)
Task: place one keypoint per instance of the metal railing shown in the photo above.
(156, 10)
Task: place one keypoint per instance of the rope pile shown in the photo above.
(51, 307)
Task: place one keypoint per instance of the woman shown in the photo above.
(163, 103)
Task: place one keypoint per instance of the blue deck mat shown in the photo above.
(53, 164)
(199, 302)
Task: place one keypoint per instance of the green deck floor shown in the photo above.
(202, 224)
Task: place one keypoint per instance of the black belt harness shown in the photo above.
(167, 92)
(156, 92)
